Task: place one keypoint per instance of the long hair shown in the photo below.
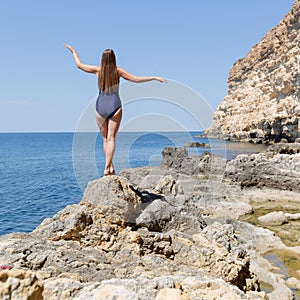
(108, 78)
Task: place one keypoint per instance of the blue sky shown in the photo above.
(194, 43)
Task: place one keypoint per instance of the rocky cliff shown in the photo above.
(263, 100)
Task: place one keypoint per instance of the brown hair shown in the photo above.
(108, 77)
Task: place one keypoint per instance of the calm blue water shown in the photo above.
(41, 173)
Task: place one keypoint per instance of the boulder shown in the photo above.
(114, 198)
(166, 214)
(177, 159)
(275, 218)
(173, 157)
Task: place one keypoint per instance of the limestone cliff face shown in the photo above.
(263, 101)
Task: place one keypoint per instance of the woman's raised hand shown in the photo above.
(69, 47)
(160, 79)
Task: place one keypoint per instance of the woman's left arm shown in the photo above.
(79, 64)
(137, 79)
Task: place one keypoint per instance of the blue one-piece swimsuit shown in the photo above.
(108, 104)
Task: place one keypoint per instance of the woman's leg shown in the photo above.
(112, 130)
(103, 127)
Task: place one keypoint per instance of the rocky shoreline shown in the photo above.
(170, 232)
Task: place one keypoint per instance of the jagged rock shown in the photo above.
(196, 145)
(280, 171)
(91, 250)
(164, 215)
(110, 198)
(160, 254)
(168, 186)
(173, 157)
(144, 288)
(284, 148)
(136, 175)
(29, 252)
(179, 160)
(113, 198)
(263, 101)
(20, 285)
(66, 224)
(172, 211)
(156, 216)
(88, 242)
(110, 292)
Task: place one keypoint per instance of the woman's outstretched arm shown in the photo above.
(79, 64)
(124, 74)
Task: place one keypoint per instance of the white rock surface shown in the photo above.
(273, 218)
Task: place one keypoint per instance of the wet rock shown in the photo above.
(293, 282)
(196, 145)
(292, 217)
(259, 241)
(275, 218)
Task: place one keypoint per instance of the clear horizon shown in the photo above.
(194, 44)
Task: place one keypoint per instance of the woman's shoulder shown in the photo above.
(121, 71)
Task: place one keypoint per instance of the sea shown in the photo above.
(41, 173)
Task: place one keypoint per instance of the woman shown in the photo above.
(108, 104)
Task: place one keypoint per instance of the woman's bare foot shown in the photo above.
(109, 171)
(106, 172)
(112, 171)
